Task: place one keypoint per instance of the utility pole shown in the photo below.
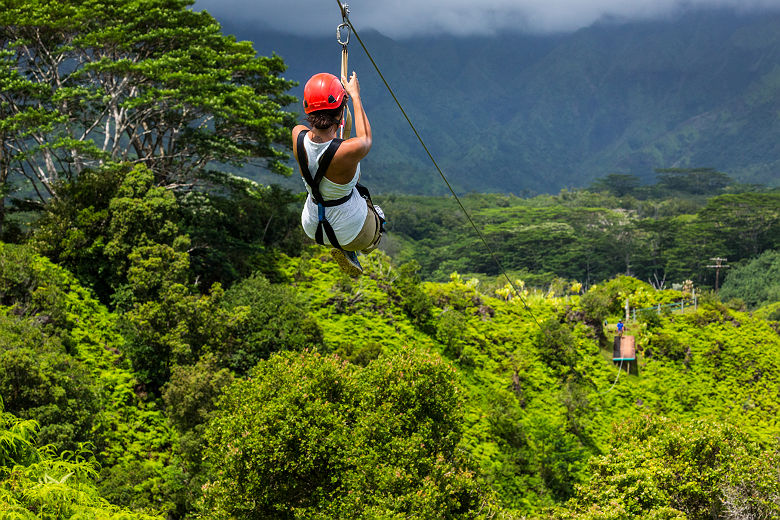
(718, 266)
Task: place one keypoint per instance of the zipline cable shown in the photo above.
(620, 369)
(345, 16)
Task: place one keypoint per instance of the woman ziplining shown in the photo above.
(338, 211)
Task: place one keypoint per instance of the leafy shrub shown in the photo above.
(450, 328)
(557, 346)
(651, 318)
(275, 319)
(769, 312)
(757, 282)
(175, 330)
(191, 394)
(461, 296)
(37, 483)
(659, 468)
(414, 300)
(595, 306)
(736, 304)
(360, 354)
(40, 381)
(17, 442)
(664, 345)
(33, 287)
(312, 436)
(100, 218)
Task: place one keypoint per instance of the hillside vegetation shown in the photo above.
(655, 233)
(172, 348)
(440, 398)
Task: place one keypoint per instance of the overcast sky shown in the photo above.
(401, 18)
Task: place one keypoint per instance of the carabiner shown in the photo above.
(338, 34)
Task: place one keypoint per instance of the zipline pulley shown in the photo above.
(344, 8)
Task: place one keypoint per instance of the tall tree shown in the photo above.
(147, 81)
(696, 181)
(18, 119)
(619, 184)
(749, 223)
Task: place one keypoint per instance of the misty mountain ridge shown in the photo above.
(535, 113)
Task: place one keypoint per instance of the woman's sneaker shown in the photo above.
(348, 261)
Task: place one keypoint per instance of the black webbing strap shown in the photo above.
(325, 160)
(363, 192)
(314, 184)
(331, 234)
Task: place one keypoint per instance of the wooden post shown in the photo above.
(718, 266)
(627, 315)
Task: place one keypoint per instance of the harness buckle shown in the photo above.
(320, 211)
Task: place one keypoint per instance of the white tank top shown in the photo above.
(347, 219)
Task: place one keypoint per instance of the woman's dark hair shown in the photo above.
(323, 119)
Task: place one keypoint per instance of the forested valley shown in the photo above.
(661, 233)
(172, 346)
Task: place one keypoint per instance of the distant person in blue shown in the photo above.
(620, 327)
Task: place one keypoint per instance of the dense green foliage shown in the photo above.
(40, 381)
(524, 409)
(757, 282)
(99, 222)
(63, 353)
(275, 320)
(38, 483)
(538, 403)
(678, 470)
(583, 235)
(311, 436)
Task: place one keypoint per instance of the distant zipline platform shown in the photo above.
(624, 348)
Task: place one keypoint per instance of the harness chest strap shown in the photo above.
(314, 184)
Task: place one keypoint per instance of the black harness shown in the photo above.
(314, 183)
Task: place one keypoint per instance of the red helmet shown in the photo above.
(322, 92)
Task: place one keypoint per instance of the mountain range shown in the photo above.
(535, 113)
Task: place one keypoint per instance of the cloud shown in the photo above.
(404, 18)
